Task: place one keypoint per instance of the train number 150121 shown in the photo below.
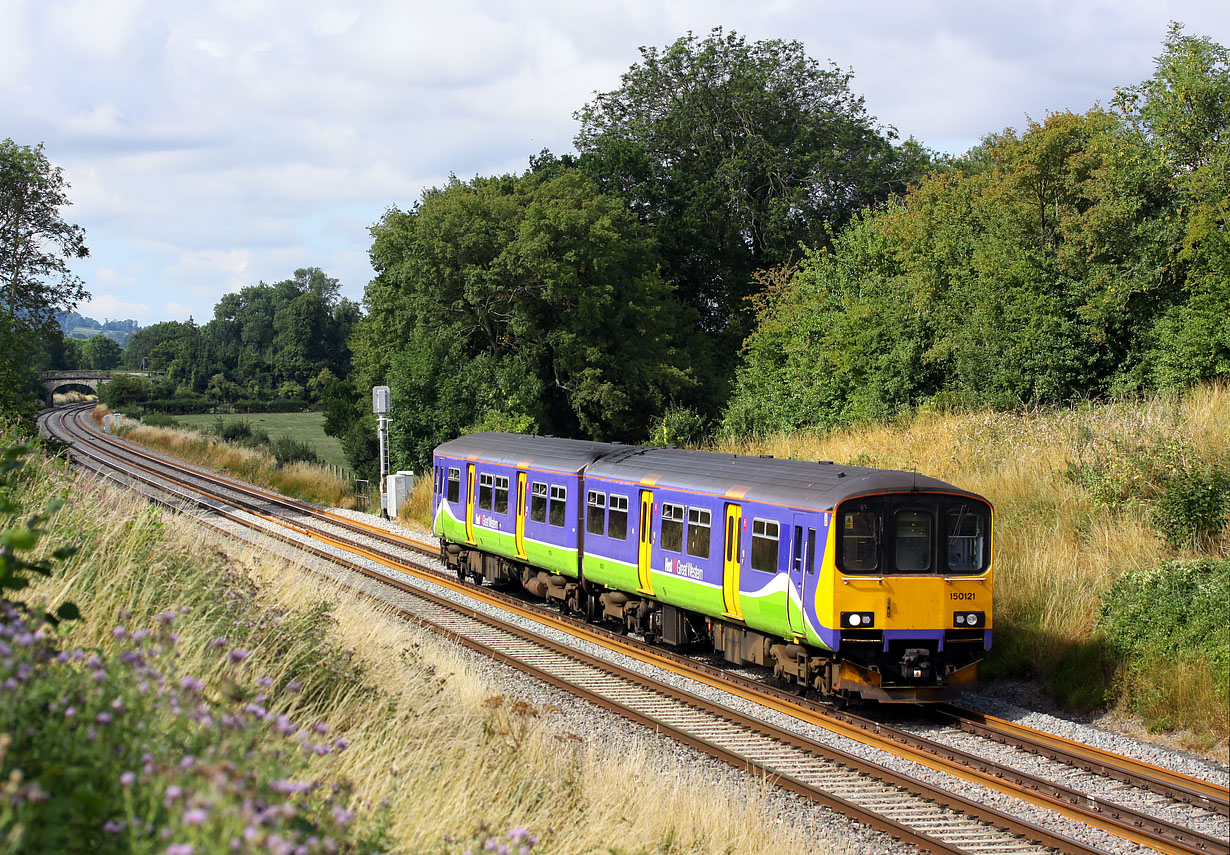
(961, 595)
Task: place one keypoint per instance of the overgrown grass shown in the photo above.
(311, 482)
(420, 749)
(304, 427)
(61, 399)
(1083, 497)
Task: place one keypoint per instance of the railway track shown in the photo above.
(902, 805)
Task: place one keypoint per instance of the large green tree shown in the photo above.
(735, 153)
(36, 242)
(529, 302)
(101, 353)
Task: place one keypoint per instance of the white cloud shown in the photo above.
(211, 145)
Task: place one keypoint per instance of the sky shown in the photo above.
(214, 145)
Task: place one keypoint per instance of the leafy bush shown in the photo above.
(1191, 509)
(1171, 610)
(1167, 626)
(236, 430)
(157, 419)
(1187, 498)
(679, 426)
(287, 451)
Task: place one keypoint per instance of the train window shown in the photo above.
(860, 541)
(811, 550)
(700, 532)
(913, 538)
(454, 484)
(595, 512)
(766, 539)
(966, 539)
(618, 527)
(538, 503)
(559, 499)
(484, 491)
(501, 494)
(672, 527)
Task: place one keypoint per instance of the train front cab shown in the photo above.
(909, 579)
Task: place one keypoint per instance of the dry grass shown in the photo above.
(306, 481)
(428, 735)
(61, 399)
(416, 512)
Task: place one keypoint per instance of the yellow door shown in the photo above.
(645, 556)
(730, 574)
(520, 537)
(470, 503)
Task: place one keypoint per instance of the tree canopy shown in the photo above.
(36, 243)
(734, 153)
(1085, 256)
(528, 302)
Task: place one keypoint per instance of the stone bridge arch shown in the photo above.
(53, 380)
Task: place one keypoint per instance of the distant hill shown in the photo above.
(79, 326)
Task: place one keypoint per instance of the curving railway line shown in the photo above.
(691, 700)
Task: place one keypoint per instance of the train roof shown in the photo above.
(794, 483)
(528, 452)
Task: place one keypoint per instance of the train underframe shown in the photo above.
(907, 671)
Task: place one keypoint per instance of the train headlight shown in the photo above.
(969, 619)
(862, 620)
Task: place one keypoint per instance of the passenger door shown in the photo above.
(520, 524)
(802, 559)
(470, 476)
(731, 561)
(645, 553)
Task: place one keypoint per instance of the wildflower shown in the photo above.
(320, 727)
(166, 617)
(239, 654)
(342, 816)
(188, 762)
(119, 632)
(265, 681)
(218, 642)
(171, 795)
(340, 744)
(192, 684)
(195, 816)
(128, 779)
(180, 849)
(294, 686)
(103, 718)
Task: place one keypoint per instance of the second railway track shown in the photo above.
(905, 806)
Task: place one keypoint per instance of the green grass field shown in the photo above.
(304, 427)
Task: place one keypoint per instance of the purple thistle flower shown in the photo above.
(180, 849)
(239, 654)
(342, 816)
(192, 684)
(188, 762)
(128, 779)
(218, 642)
(166, 617)
(294, 686)
(340, 744)
(321, 727)
(195, 816)
(172, 794)
(103, 718)
(119, 632)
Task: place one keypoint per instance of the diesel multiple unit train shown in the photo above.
(847, 580)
